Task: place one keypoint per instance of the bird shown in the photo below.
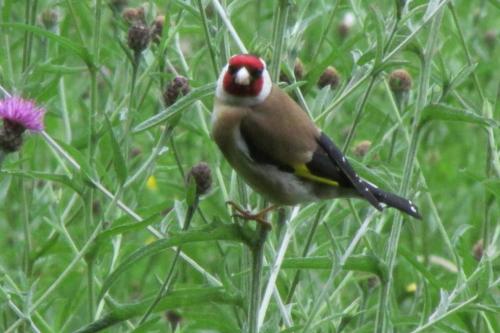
(273, 144)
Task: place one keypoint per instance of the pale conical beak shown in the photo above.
(242, 77)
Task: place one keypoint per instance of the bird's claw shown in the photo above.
(246, 215)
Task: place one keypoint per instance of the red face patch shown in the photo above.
(254, 66)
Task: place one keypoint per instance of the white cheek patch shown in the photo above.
(242, 77)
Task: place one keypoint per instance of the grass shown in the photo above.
(100, 229)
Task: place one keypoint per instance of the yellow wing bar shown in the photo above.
(303, 171)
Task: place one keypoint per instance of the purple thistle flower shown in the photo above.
(18, 112)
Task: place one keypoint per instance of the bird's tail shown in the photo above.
(393, 200)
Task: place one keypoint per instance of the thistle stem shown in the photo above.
(255, 292)
(167, 282)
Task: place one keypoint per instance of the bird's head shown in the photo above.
(244, 81)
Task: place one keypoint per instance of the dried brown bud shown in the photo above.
(134, 15)
(400, 81)
(138, 37)
(330, 77)
(176, 88)
(202, 176)
(362, 148)
(11, 136)
(157, 28)
(373, 282)
(490, 38)
(345, 26)
(174, 318)
(298, 69)
(135, 151)
(96, 207)
(49, 18)
(478, 250)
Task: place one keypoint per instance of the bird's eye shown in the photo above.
(232, 69)
(257, 72)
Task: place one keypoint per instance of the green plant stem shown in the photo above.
(26, 51)
(359, 112)
(279, 38)
(26, 228)
(89, 198)
(305, 252)
(225, 19)
(255, 293)
(130, 112)
(162, 141)
(324, 33)
(75, 22)
(207, 38)
(410, 161)
(167, 282)
(401, 100)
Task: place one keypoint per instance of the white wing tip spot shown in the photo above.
(413, 209)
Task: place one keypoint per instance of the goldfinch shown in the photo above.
(277, 149)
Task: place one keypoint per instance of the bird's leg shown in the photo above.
(259, 217)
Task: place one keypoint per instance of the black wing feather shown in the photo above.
(321, 165)
(336, 156)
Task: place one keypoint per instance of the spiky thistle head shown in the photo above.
(18, 112)
(18, 116)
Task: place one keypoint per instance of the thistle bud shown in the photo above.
(138, 37)
(400, 81)
(478, 250)
(298, 69)
(346, 25)
(372, 282)
(490, 37)
(400, 84)
(134, 15)
(174, 318)
(49, 19)
(176, 88)
(157, 29)
(362, 148)
(135, 151)
(330, 77)
(202, 176)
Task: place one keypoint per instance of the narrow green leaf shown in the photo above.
(61, 179)
(118, 161)
(64, 42)
(449, 113)
(82, 161)
(211, 232)
(378, 22)
(177, 299)
(361, 263)
(493, 186)
(408, 256)
(129, 227)
(461, 76)
(173, 113)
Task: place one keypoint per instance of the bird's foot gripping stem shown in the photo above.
(259, 217)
